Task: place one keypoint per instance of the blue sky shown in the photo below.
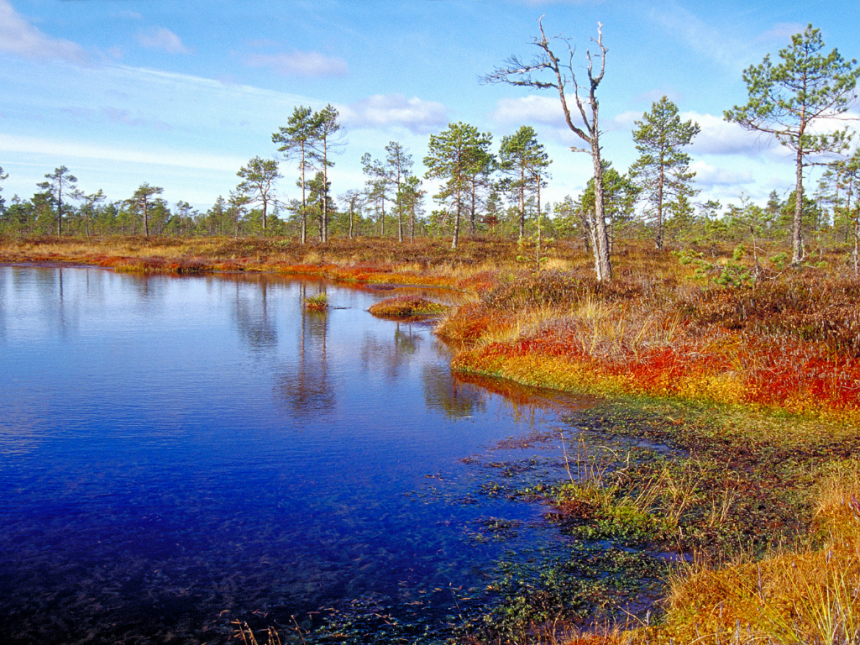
(181, 94)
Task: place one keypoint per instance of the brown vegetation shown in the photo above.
(775, 364)
(407, 306)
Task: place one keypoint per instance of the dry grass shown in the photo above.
(407, 306)
(805, 595)
(791, 345)
(318, 302)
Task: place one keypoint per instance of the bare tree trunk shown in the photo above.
(324, 220)
(601, 248)
(456, 224)
(797, 231)
(472, 228)
(538, 222)
(659, 238)
(522, 202)
(399, 213)
(857, 245)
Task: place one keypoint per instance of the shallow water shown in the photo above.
(178, 453)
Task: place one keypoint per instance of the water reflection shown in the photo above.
(256, 324)
(390, 354)
(448, 395)
(158, 469)
(305, 386)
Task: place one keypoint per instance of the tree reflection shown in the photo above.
(58, 298)
(446, 394)
(254, 321)
(306, 388)
(390, 356)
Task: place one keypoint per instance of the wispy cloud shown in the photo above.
(77, 149)
(127, 15)
(654, 96)
(537, 3)
(781, 32)
(701, 37)
(395, 110)
(164, 39)
(306, 64)
(19, 37)
(116, 115)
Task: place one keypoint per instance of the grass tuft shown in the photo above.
(318, 302)
(407, 307)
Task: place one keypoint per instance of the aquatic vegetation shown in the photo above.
(318, 302)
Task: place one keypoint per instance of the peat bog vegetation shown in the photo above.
(732, 382)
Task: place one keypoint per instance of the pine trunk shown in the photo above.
(797, 234)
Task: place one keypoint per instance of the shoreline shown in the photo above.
(764, 409)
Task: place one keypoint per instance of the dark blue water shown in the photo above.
(177, 453)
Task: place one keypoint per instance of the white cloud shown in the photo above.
(719, 137)
(20, 38)
(308, 64)
(708, 175)
(162, 38)
(624, 121)
(395, 110)
(532, 109)
(76, 149)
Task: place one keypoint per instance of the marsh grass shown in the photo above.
(758, 385)
(791, 345)
(318, 302)
(407, 306)
(807, 594)
(242, 631)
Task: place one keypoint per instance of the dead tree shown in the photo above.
(546, 71)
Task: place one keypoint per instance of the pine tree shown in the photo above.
(451, 157)
(259, 176)
(521, 157)
(662, 169)
(57, 182)
(787, 98)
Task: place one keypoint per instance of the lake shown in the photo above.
(180, 453)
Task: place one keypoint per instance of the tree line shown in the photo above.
(499, 192)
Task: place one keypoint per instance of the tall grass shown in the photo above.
(809, 594)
